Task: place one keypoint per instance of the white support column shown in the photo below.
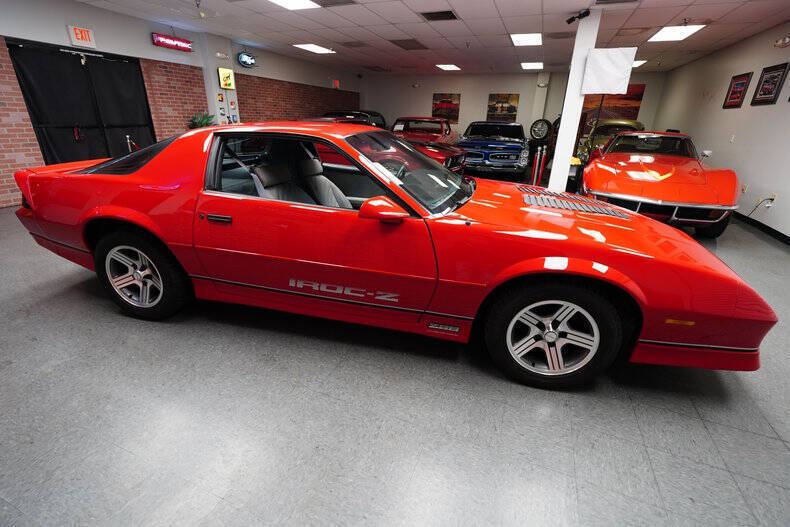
(209, 46)
(586, 34)
(539, 102)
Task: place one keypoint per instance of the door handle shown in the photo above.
(219, 218)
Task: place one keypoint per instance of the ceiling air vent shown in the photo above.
(433, 16)
(408, 43)
(614, 2)
(559, 35)
(355, 44)
(333, 3)
(376, 68)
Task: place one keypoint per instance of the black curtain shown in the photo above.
(82, 106)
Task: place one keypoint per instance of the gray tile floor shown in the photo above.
(229, 415)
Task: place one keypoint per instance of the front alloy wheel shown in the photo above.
(553, 335)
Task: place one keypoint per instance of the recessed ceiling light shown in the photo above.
(526, 39)
(448, 67)
(638, 63)
(314, 48)
(295, 4)
(531, 65)
(670, 33)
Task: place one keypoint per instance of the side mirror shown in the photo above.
(707, 153)
(383, 209)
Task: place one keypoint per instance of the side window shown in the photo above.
(292, 169)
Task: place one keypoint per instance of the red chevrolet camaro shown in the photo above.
(559, 285)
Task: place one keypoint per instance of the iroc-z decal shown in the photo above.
(345, 290)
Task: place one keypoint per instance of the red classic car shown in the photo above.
(661, 175)
(425, 129)
(559, 285)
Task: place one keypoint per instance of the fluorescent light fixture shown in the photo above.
(295, 4)
(314, 48)
(638, 63)
(448, 67)
(671, 33)
(526, 39)
(531, 65)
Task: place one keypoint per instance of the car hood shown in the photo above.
(420, 136)
(664, 178)
(491, 144)
(503, 205)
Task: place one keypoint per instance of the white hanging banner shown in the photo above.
(608, 70)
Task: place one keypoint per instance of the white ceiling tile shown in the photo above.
(421, 6)
(388, 31)
(755, 11)
(699, 14)
(326, 17)
(451, 28)
(565, 7)
(474, 8)
(422, 29)
(556, 23)
(629, 41)
(495, 41)
(486, 26)
(523, 24)
(436, 43)
(604, 35)
(298, 21)
(465, 42)
(666, 3)
(716, 32)
(508, 8)
(358, 33)
(614, 19)
(394, 12)
(652, 16)
(358, 14)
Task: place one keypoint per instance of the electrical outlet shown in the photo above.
(744, 188)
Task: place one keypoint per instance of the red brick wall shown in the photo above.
(18, 144)
(261, 98)
(175, 93)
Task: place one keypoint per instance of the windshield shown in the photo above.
(434, 127)
(435, 187)
(653, 144)
(505, 131)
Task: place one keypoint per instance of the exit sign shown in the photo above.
(82, 37)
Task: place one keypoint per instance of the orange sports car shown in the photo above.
(661, 175)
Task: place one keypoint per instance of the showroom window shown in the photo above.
(292, 169)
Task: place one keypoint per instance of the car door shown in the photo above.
(310, 258)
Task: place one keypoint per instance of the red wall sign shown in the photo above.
(166, 41)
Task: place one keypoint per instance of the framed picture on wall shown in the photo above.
(446, 106)
(502, 107)
(736, 93)
(770, 84)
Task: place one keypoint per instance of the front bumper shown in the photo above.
(676, 213)
(695, 356)
(489, 166)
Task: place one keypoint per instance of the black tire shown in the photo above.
(714, 230)
(176, 288)
(603, 313)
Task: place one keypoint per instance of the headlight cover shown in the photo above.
(523, 158)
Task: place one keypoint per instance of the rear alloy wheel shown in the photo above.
(553, 336)
(141, 276)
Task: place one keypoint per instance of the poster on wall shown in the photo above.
(736, 93)
(502, 107)
(226, 80)
(622, 106)
(446, 106)
(769, 85)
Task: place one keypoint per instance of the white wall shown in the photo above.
(46, 21)
(654, 87)
(394, 96)
(692, 102)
